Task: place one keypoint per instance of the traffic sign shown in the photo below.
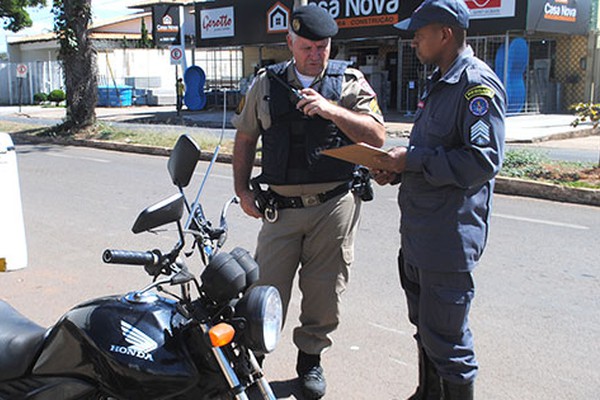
(176, 53)
(21, 70)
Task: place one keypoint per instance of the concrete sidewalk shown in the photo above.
(519, 129)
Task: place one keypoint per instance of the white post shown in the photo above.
(13, 248)
(182, 37)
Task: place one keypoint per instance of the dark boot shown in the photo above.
(311, 375)
(455, 391)
(430, 385)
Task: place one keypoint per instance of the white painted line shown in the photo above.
(541, 221)
(79, 158)
(385, 328)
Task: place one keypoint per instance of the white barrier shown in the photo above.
(13, 248)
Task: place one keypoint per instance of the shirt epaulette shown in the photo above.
(353, 73)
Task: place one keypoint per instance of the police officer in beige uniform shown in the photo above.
(298, 108)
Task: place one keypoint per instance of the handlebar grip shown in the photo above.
(130, 257)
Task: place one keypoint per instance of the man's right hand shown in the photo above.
(248, 205)
(383, 177)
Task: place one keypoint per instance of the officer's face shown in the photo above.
(311, 57)
(429, 43)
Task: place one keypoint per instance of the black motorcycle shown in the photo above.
(178, 338)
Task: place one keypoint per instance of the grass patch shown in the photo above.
(535, 165)
(158, 139)
(107, 132)
(23, 128)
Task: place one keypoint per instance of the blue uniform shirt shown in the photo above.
(456, 148)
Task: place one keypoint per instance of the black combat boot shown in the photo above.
(311, 375)
(455, 391)
(430, 384)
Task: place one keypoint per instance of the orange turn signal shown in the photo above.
(221, 334)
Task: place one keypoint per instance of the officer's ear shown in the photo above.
(447, 34)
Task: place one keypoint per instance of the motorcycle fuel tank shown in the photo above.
(132, 346)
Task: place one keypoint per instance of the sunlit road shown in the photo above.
(535, 316)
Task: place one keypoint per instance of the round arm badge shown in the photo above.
(479, 106)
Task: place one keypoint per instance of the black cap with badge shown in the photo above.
(313, 23)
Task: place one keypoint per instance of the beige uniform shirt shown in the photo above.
(357, 95)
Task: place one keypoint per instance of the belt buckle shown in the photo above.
(309, 200)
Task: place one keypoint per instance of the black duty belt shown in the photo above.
(309, 200)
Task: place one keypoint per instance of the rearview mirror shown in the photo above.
(161, 213)
(183, 160)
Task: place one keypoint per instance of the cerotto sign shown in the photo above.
(217, 23)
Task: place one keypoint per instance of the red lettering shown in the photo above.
(222, 22)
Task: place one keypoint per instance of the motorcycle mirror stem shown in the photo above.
(196, 202)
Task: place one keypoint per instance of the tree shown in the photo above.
(78, 58)
(14, 15)
(145, 41)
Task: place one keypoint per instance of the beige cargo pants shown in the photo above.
(318, 243)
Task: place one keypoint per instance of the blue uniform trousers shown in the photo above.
(438, 306)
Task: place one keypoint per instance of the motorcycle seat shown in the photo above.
(20, 342)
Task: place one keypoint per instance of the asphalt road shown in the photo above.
(535, 315)
(584, 149)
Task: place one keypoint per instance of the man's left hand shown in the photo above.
(313, 104)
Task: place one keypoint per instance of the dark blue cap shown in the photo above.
(445, 12)
(313, 23)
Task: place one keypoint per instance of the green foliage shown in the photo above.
(14, 15)
(145, 42)
(39, 98)
(523, 163)
(586, 112)
(56, 96)
(537, 166)
(66, 14)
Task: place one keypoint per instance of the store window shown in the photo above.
(223, 67)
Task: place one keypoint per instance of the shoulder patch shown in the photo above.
(374, 106)
(480, 91)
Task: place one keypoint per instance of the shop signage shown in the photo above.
(266, 21)
(217, 23)
(278, 18)
(165, 29)
(480, 9)
(359, 13)
(560, 16)
(243, 22)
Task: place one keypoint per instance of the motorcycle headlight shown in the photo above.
(261, 308)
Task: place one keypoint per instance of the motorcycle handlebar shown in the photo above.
(147, 258)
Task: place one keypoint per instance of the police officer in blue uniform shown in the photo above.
(446, 177)
(310, 215)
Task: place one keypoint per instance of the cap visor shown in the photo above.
(403, 25)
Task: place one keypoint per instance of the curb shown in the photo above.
(504, 185)
(547, 191)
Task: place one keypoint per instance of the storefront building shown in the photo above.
(545, 51)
